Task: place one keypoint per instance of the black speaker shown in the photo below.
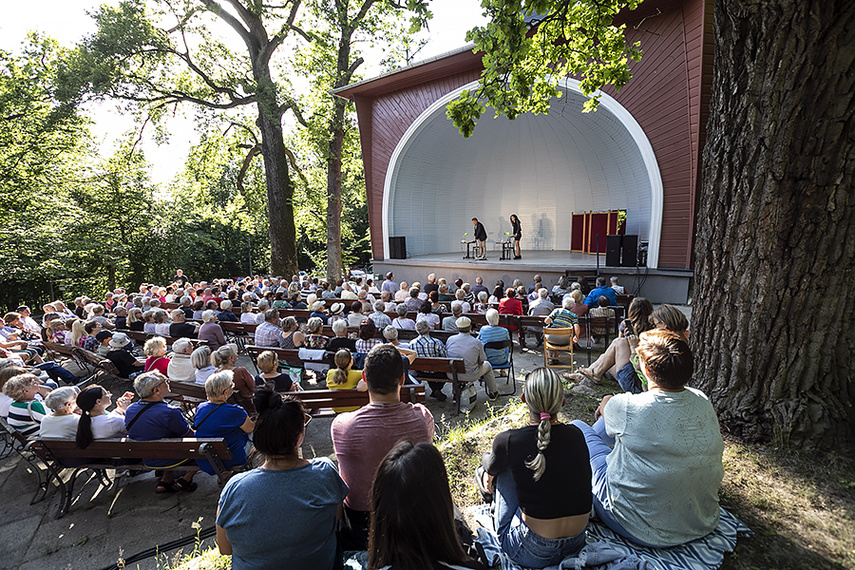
(613, 245)
(630, 251)
(398, 247)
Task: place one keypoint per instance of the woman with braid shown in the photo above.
(541, 480)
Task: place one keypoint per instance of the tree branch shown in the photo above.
(250, 41)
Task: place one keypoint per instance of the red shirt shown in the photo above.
(508, 306)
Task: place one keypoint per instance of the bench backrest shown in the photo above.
(185, 448)
(316, 400)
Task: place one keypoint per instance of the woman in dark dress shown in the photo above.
(517, 233)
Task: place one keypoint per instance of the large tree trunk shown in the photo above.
(334, 263)
(280, 191)
(774, 299)
(344, 71)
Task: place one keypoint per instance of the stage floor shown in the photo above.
(531, 261)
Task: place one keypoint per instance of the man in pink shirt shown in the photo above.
(363, 438)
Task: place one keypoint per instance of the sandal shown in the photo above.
(184, 485)
(590, 376)
(164, 488)
(486, 495)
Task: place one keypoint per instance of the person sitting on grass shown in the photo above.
(539, 479)
(344, 377)
(62, 421)
(151, 418)
(303, 497)
(95, 421)
(620, 359)
(657, 487)
(27, 408)
(412, 513)
(218, 418)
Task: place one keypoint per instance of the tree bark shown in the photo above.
(344, 72)
(280, 190)
(774, 297)
(336, 145)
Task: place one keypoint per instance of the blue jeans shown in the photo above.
(520, 543)
(628, 379)
(599, 446)
(56, 372)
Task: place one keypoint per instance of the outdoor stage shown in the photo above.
(658, 285)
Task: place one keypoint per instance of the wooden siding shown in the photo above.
(668, 96)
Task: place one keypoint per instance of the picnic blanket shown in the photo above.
(607, 550)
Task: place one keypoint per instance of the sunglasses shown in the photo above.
(308, 419)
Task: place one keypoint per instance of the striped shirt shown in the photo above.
(563, 319)
(26, 417)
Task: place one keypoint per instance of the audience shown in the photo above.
(218, 418)
(180, 365)
(412, 513)
(427, 346)
(303, 497)
(468, 348)
(539, 480)
(201, 360)
(225, 360)
(343, 377)
(95, 422)
(155, 350)
(363, 438)
(211, 331)
(268, 364)
(657, 487)
(152, 418)
(62, 421)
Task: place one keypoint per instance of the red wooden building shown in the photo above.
(639, 153)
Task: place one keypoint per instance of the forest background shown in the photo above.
(99, 192)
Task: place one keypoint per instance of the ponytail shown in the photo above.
(544, 396)
(343, 359)
(86, 400)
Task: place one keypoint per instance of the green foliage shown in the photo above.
(529, 45)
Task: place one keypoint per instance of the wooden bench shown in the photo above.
(123, 452)
(453, 366)
(320, 403)
(239, 333)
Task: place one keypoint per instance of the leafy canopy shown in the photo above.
(529, 45)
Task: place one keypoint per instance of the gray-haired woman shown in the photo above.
(542, 483)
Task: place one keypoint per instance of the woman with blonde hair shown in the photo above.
(268, 364)
(343, 377)
(77, 332)
(135, 320)
(225, 358)
(155, 350)
(542, 480)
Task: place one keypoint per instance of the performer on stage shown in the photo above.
(517, 233)
(480, 239)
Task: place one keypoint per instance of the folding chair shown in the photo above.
(551, 346)
(509, 363)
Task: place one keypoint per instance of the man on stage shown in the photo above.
(480, 239)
